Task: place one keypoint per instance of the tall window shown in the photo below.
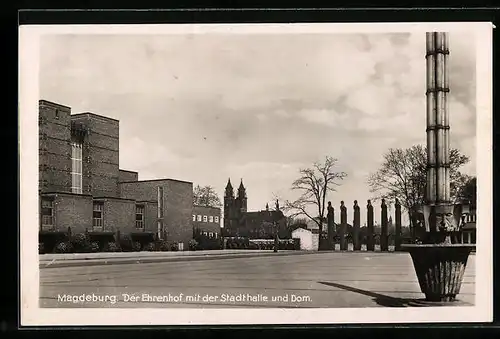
(97, 220)
(216, 219)
(47, 213)
(76, 167)
(139, 216)
(198, 217)
(211, 219)
(194, 217)
(204, 218)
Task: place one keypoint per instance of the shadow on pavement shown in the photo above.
(380, 299)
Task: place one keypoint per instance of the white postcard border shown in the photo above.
(32, 314)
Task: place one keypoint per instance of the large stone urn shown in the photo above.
(439, 261)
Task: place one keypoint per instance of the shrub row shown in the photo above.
(245, 243)
(82, 243)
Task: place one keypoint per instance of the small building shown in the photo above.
(307, 239)
(313, 227)
(206, 220)
(83, 189)
(469, 231)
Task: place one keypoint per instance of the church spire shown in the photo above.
(229, 188)
(241, 190)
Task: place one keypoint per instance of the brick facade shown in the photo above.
(70, 210)
(102, 181)
(124, 176)
(118, 214)
(151, 216)
(54, 147)
(100, 154)
(177, 204)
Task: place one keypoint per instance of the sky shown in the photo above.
(208, 107)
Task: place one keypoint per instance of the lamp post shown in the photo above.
(276, 239)
(439, 264)
(275, 227)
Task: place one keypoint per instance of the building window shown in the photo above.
(215, 235)
(209, 234)
(47, 213)
(216, 219)
(211, 219)
(139, 216)
(97, 219)
(57, 114)
(204, 218)
(199, 217)
(76, 167)
(194, 217)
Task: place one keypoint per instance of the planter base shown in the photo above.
(440, 269)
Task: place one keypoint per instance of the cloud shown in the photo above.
(207, 107)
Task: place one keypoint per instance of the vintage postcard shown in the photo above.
(256, 174)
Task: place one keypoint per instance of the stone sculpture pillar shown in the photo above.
(343, 226)
(398, 235)
(370, 243)
(355, 227)
(331, 226)
(384, 246)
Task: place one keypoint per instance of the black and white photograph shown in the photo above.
(255, 174)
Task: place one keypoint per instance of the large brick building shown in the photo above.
(81, 186)
(254, 225)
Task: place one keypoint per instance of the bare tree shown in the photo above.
(206, 196)
(403, 175)
(314, 184)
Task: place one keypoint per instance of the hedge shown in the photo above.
(84, 243)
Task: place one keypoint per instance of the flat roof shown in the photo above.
(113, 198)
(95, 115)
(147, 201)
(67, 193)
(194, 205)
(123, 170)
(152, 180)
(42, 101)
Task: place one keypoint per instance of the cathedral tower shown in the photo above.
(242, 198)
(228, 204)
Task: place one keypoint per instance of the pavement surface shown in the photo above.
(102, 255)
(93, 259)
(331, 279)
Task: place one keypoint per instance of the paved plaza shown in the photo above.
(323, 279)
